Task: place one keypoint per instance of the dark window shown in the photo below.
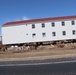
(73, 32)
(53, 24)
(73, 22)
(43, 25)
(64, 32)
(26, 34)
(33, 25)
(43, 34)
(63, 23)
(53, 33)
(33, 35)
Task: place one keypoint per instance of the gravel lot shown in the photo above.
(43, 53)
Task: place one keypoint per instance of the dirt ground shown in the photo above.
(44, 52)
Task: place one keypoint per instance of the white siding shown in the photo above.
(23, 33)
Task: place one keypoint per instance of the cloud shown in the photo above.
(22, 18)
(14, 19)
(25, 18)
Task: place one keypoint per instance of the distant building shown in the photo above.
(39, 30)
(0, 40)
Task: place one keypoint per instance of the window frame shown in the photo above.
(43, 25)
(63, 33)
(73, 32)
(34, 35)
(63, 23)
(33, 26)
(44, 34)
(53, 33)
(73, 22)
(53, 24)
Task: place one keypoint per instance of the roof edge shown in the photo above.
(39, 20)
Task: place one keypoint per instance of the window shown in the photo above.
(73, 32)
(73, 22)
(33, 25)
(53, 24)
(63, 23)
(64, 32)
(33, 35)
(26, 34)
(43, 34)
(53, 34)
(43, 25)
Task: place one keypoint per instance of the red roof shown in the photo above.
(39, 20)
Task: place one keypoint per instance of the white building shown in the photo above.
(39, 30)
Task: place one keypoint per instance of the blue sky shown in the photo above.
(15, 10)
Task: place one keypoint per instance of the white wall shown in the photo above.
(23, 33)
